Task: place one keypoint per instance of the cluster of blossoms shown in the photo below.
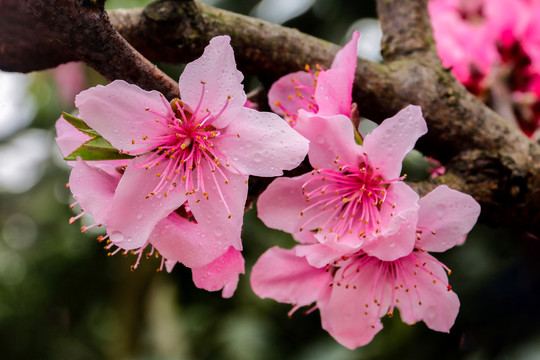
(493, 49)
(178, 183)
(364, 235)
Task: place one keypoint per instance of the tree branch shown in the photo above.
(406, 28)
(66, 30)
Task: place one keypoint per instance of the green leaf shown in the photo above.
(97, 149)
(80, 125)
(358, 137)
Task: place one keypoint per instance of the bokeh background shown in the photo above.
(62, 297)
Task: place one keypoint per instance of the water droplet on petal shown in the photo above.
(116, 236)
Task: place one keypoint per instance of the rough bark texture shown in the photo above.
(67, 30)
(485, 155)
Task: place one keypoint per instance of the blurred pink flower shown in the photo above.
(323, 92)
(467, 47)
(353, 290)
(354, 199)
(493, 45)
(70, 80)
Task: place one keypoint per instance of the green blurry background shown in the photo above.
(62, 297)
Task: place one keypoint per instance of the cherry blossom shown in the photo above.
(199, 149)
(324, 92)
(493, 47)
(355, 197)
(353, 290)
(177, 238)
(185, 190)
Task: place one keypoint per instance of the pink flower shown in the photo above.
(493, 44)
(70, 80)
(353, 290)
(177, 238)
(322, 92)
(468, 47)
(185, 190)
(354, 199)
(200, 149)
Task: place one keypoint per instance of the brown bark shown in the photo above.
(68, 30)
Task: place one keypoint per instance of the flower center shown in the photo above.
(391, 282)
(188, 140)
(350, 199)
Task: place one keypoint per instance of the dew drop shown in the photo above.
(116, 236)
(218, 231)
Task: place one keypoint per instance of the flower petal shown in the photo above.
(216, 68)
(388, 143)
(334, 92)
(334, 87)
(429, 298)
(261, 144)
(397, 241)
(446, 216)
(281, 206)
(222, 273)
(330, 137)
(283, 95)
(117, 112)
(221, 214)
(180, 240)
(397, 234)
(133, 216)
(281, 275)
(346, 57)
(318, 255)
(350, 314)
(93, 189)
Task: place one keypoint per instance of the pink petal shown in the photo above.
(213, 214)
(334, 92)
(280, 275)
(398, 232)
(334, 87)
(330, 137)
(222, 273)
(445, 217)
(70, 79)
(261, 144)
(133, 216)
(180, 240)
(398, 239)
(169, 265)
(318, 255)
(285, 92)
(281, 206)
(93, 189)
(343, 244)
(347, 56)
(68, 138)
(388, 144)
(217, 69)
(429, 298)
(350, 315)
(117, 112)
(304, 237)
